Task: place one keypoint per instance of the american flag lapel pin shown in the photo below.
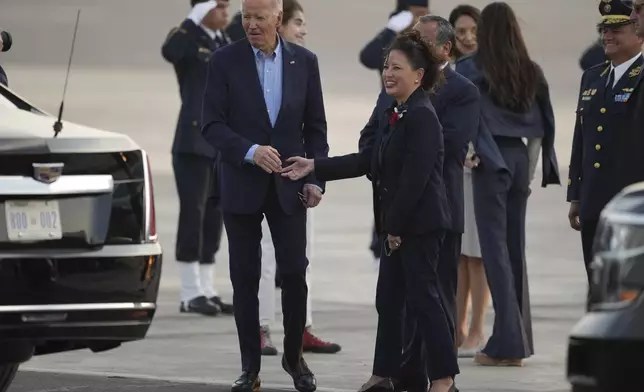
(292, 61)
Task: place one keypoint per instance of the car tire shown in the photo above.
(7, 373)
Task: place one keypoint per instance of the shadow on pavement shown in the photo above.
(53, 382)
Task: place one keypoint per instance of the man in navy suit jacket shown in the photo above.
(457, 105)
(263, 104)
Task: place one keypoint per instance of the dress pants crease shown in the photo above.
(500, 202)
(408, 281)
(289, 239)
(414, 363)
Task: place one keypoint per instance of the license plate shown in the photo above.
(33, 220)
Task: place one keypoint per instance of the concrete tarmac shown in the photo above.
(119, 82)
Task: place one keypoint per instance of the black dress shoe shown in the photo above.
(225, 308)
(303, 378)
(201, 305)
(385, 385)
(247, 382)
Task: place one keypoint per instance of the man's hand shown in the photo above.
(473, 162)
(312, 195)
(200, 10)
(573, 216)
(268, 159)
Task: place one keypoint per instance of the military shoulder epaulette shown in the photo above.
(598, 68)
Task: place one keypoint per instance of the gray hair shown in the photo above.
(445, 31)
(278, 6)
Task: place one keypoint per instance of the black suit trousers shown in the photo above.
(289, 239)
(408, 283)
(200, 218)
(414, 364)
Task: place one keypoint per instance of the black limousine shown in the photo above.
(80, 263)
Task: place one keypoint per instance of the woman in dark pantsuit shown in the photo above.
(405, 163)
(516, 123)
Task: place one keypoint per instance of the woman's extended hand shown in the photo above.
(299, 168)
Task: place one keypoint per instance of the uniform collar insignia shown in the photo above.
(635, 71)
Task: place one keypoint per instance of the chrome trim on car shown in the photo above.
(624, 218)
(78, 307)
(107, 251)
(65, 185)
(148, 197)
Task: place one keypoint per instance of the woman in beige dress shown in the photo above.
(472, 283)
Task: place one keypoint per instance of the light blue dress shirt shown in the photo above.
(269, 69)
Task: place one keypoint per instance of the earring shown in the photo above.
(416, 81)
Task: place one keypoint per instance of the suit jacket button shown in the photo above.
(598, 147)
(600, 128)
(194, 123)
(597, 165)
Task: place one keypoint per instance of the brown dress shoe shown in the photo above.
(485, 360)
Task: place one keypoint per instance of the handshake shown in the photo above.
(268, 158)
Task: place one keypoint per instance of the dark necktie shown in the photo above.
(219, 42)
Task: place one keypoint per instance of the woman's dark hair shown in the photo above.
(512, 78)
(290, 7)
(463, 10)
(420, 54)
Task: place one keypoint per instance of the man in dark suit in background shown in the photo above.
(457, 105)
(235, 29)
(188, 48)
(255, 124)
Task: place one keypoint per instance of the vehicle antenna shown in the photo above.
(58, 125)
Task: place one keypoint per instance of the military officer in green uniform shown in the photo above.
(607, 102)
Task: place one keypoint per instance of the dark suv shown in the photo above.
(606, 347)
(80, 263)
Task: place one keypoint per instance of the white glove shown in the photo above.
(200, 10)
(400, 21)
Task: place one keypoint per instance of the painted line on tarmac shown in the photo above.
(181, 380)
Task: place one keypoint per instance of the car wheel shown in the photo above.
(7, 373)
